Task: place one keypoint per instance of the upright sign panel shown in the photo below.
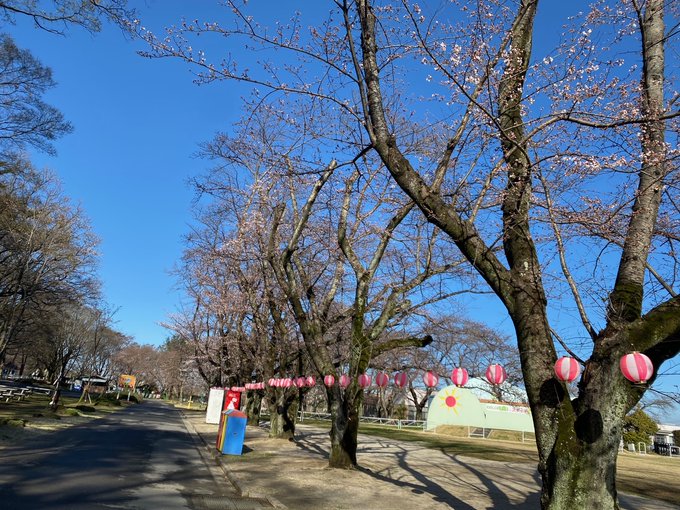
(214, 409)
(127, 381)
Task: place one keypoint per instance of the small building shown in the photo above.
(97, 384)
(665, 434)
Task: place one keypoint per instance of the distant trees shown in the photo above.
(639, 427)
(47, 251)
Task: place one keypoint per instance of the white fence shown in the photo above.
(419, 424)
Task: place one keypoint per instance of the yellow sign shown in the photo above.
(127, 380)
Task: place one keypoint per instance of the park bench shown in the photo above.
(13, 393)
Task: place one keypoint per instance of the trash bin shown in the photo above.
(232, 432)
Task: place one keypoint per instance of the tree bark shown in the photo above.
(282, 415)
(344, 428)
(253, 407)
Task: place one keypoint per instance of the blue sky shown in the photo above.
(138, 123)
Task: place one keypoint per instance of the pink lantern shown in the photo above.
(496, 374)
(311, 382)
(364, 380)
(459, 377)
(300, 382)
(567, 369)
(329, 380)
(287, 382)
(272, 382)
(637, 367)
(344, 381)
(381, 379)
(401, 379)
(430, 379)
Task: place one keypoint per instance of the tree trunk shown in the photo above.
(56, 395)
(253, 406)
(283, 414)
(579, 469)
(344, 428)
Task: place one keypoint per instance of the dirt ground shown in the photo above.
(393, 475)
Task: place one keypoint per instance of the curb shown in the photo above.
(234, 479)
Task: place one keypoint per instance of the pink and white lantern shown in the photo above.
(381, 379)
(496, 374)
(459, 377)
(300, 382)
(430, 379)
(401, 379)
(329, 380)
(637, 367)
(311, 381)
(344, 381)
(567, 369)
(287, 382)
(364, 380)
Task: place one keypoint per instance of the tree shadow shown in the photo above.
(139, 453)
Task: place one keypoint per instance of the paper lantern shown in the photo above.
(271, 382)
(311, 382)
(381, 379)
(401, 379)
(496, 374)
(300, 382)
(329, 380)
(364, 380)
(344, 381)
(637, 367)
(567, 369)
(430, 379)
(287, 382)
(459, 377)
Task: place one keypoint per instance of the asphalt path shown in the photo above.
(141, 457)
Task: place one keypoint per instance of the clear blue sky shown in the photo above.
(138, 123)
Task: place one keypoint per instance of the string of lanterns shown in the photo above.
(636, 367)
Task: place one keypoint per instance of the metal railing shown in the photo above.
(392, 422)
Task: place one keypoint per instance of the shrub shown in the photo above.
(12, 422)
(69, 411)
(637, 428)
(400, 412)
(108, 399)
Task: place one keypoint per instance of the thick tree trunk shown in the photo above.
(283, 415)
(579, 470)
(344, 429)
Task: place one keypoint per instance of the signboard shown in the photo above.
(126, 380)
(214, 409)
(232, 400)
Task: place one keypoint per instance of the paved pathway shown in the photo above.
(142, 457)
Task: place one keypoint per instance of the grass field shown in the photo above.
(20, 420)
(649, 475)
